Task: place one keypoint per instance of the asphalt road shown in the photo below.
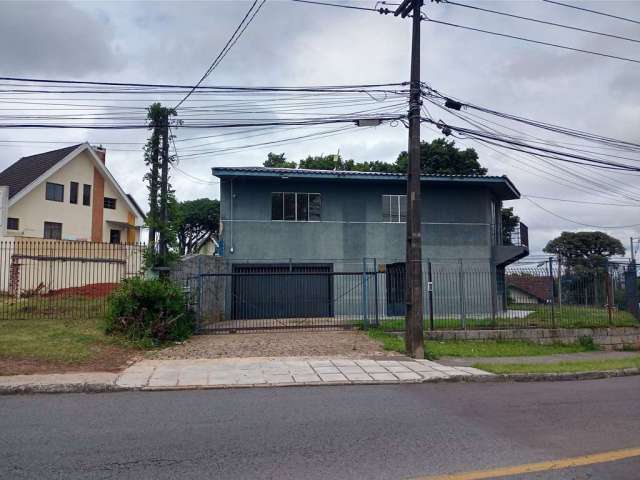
(349, 432)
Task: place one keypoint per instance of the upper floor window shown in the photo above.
(296, 207)
(110, 203)
(13, 223)
(53, 230)
(394, 208)
(54, 192)
(86, 195)
(73, 192)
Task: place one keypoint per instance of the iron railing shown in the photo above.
(520, 236)
(457, 295)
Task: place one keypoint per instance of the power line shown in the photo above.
(613, 227)
(353, 7)
(592, 11)
(232, 40)
(581, 202)
(530, 40)
(544, 22)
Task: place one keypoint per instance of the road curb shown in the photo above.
(62, 388)
(500, 378)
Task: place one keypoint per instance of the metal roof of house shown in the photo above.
(502, 186)
(20, 174)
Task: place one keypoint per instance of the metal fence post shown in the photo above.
(375, 292)
(199, 292)
(365, 299)
(553, 284)
(461, 294)
(430, 293)
(631, 287)
(609, 294)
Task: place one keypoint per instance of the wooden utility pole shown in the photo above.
(164, 187)
(414, 342)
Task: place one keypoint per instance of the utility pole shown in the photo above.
(164, 190)
(414, 342)
(153, 187)
(633, 254)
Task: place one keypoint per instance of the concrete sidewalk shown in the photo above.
(241, 372)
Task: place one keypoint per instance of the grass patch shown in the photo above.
(571, 316)
(477, 348)
(562, 367)
(61, 330)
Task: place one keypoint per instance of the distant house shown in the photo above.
(529, 289)
(67, 194)
(275, 219)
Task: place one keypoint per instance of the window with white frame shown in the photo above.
(296, 207)
(394, 208)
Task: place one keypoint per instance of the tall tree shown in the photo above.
(510, 222)
(197, 221)
(278, 160)
(442, 157)
(584, 250)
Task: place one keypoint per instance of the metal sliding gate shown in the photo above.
(282, 296)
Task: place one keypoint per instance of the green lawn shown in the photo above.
(565, 317)
(476, 348)
(62, 332)
(562, 367)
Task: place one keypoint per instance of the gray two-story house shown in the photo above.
(278, 220)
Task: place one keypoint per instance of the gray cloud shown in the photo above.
(55, 39)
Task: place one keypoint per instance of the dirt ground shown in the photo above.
(276, 344)
(110, 359)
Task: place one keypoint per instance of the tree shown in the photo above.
(510, 222)
(442, 157)
(584, 250)
(278, 161)
(197, 222)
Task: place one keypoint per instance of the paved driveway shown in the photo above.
(343, 344)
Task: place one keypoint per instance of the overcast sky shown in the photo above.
(295, 44)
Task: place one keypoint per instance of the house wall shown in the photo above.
(456, 222)
(456, 225)
(33, 209)
(518, 296)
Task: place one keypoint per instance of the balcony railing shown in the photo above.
(520, 236)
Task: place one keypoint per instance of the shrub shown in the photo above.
(587, 342)
(152, 311)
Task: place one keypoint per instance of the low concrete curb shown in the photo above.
(504, 378)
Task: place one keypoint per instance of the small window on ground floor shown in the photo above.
(114, 236)
(13, 223)
(53, 230)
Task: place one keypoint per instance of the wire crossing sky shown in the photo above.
(546, 102)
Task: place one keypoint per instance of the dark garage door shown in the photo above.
(282, 291)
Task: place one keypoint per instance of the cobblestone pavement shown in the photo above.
(276, 344)
(160, 374)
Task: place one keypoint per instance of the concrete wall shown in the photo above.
(43, 266)
(615, 338)
(456, 222)
(209, 294)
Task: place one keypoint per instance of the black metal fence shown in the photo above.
(457, 295)
(62, 279)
